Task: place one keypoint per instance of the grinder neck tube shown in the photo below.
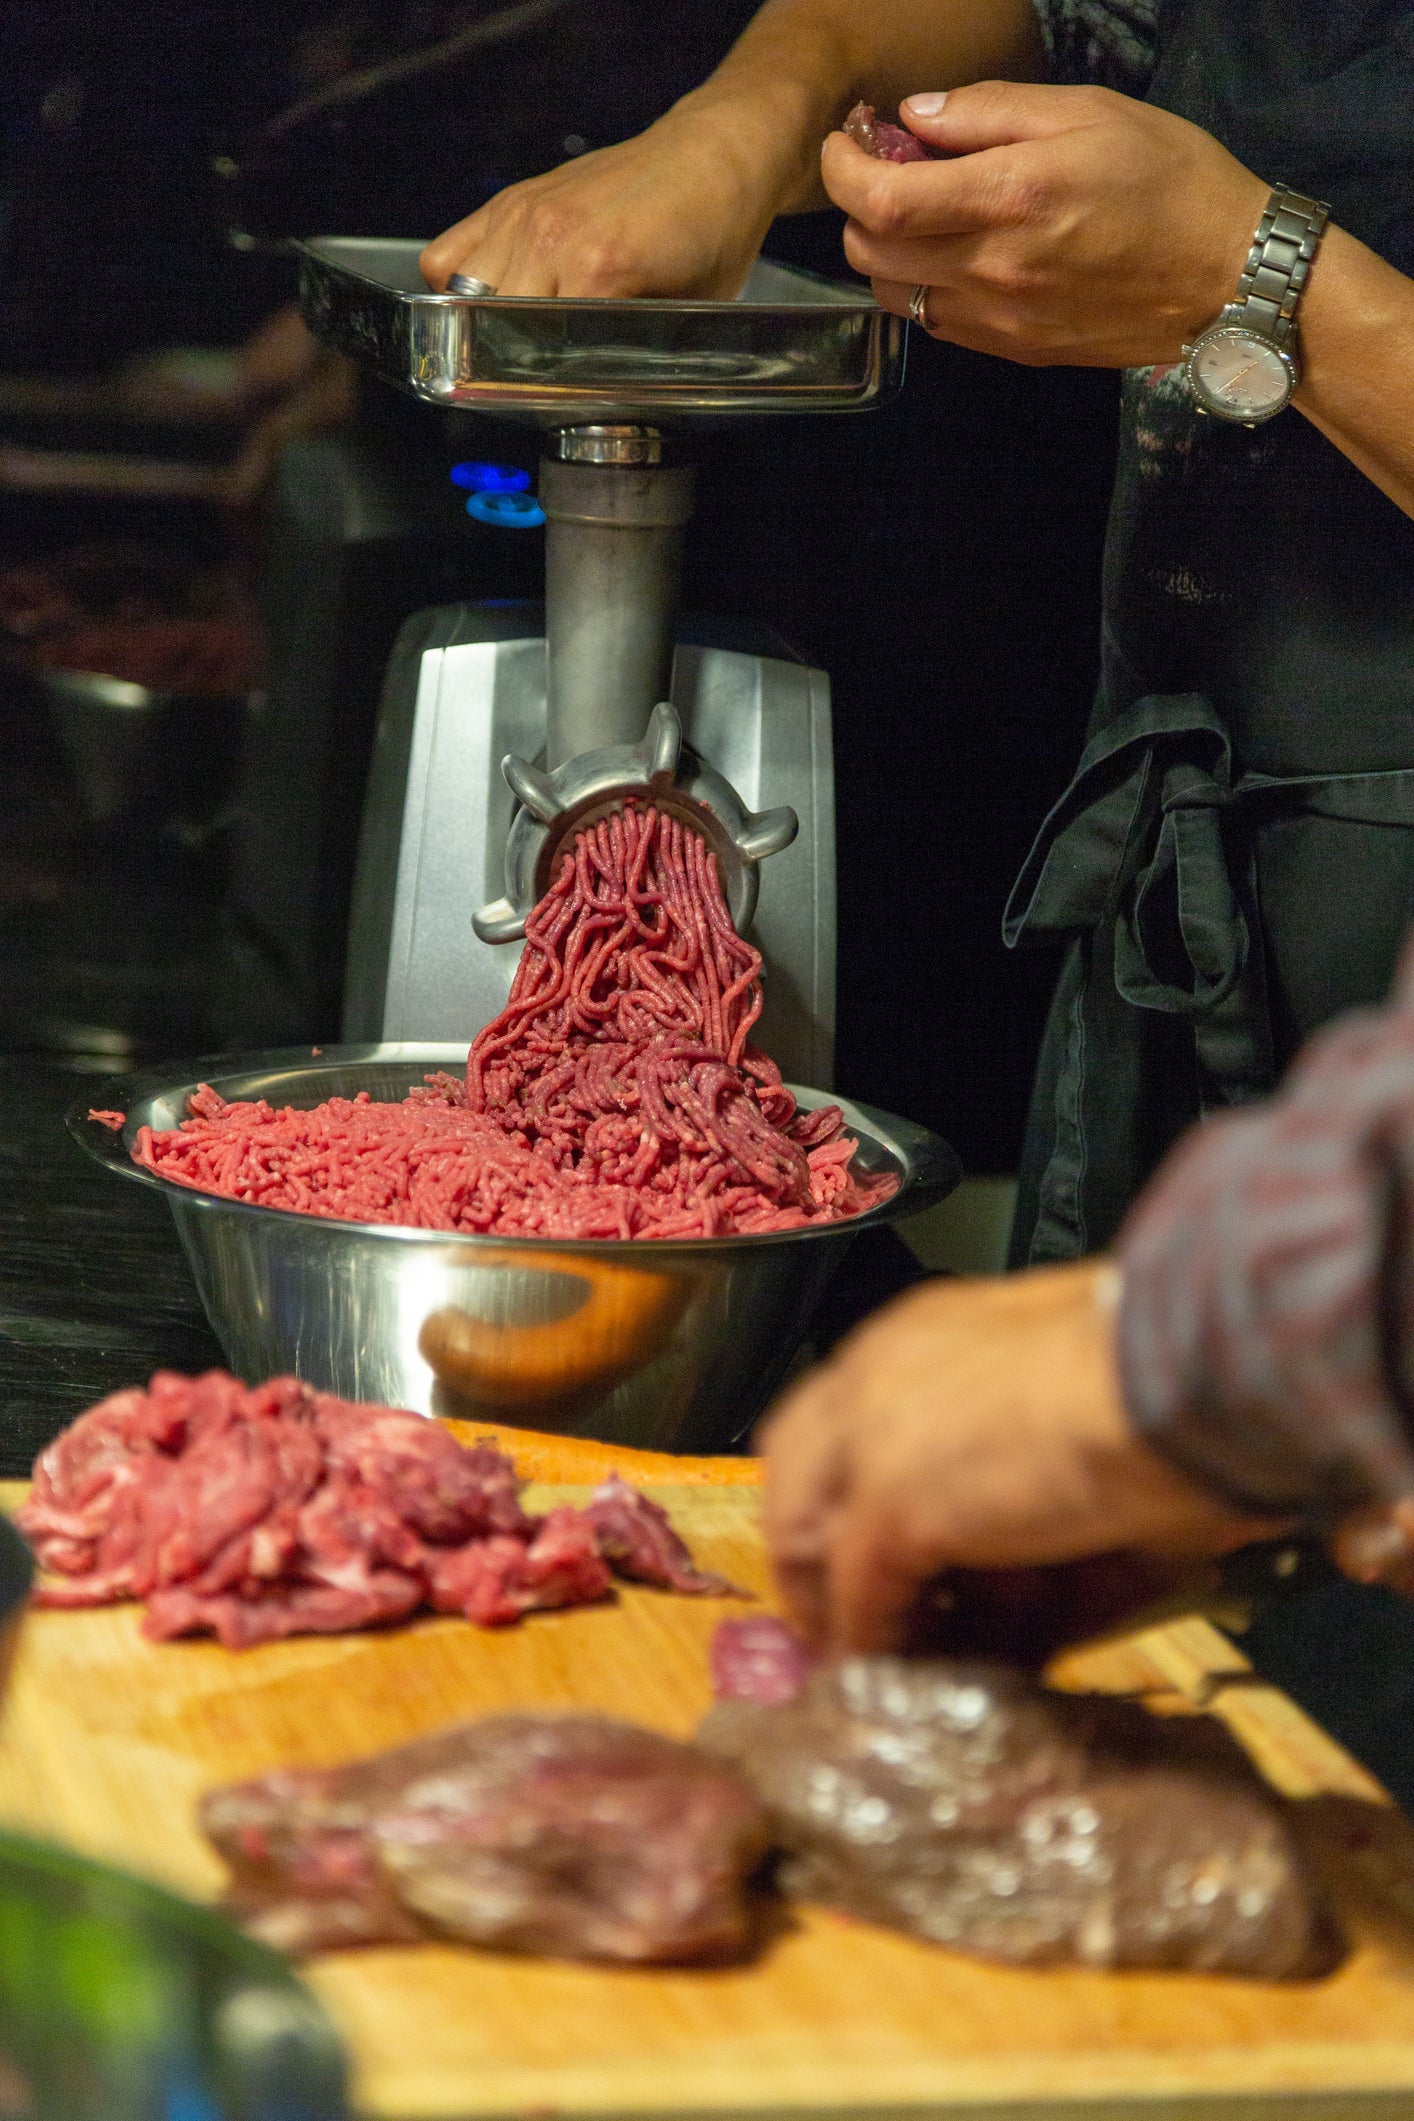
(615, 514)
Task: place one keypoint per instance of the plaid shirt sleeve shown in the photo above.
(1266, 1324)
(1111, 42)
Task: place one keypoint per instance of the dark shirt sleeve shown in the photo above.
(1266, 1321)
(1110, 42)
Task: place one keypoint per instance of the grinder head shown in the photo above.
(662, 769)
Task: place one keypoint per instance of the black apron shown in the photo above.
(1233, 863)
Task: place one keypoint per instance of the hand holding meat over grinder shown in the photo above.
(1068, 224)
(973, 1426)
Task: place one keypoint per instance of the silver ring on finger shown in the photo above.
(465, 283)
(918, 305)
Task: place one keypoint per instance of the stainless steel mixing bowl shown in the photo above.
(668, 1346)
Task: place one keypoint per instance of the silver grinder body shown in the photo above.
(613, 567)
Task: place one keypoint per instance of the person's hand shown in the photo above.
(1376, 1545)
(969, 1425)
(680, 210)
(1075, 226)
(323, 397)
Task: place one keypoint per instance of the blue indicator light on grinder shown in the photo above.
(490, 478)
(508, 511)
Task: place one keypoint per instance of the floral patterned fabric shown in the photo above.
(1111, 42)
(1266, 1327)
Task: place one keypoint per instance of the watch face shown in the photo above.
(1238, 374)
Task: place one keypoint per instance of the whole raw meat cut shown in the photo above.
(565, 1834)
(615, 1096)
(975, 1808)
(887, 143)
(278, 1510)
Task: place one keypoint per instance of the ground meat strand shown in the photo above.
(615, 1096)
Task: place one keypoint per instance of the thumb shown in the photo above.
(959, 121)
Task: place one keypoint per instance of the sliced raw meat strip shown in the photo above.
(77, 1477)
(969, 1805)
(281, 1610)
(564, 1834)
(256, 1514)
(637, 1539)
(495, 1580)
(346, 1530)
(442, 1490)
(223, 1484)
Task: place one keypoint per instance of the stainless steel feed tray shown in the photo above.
(789, 343)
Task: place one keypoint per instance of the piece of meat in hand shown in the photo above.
(887, 143)
(570, 1835)
(969, 1805)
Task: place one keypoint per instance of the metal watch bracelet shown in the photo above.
(1278, 264)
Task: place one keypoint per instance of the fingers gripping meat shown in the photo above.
(887, 143)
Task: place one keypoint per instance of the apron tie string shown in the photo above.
(1139, 838)
(1148, 837)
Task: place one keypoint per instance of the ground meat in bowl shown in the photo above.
(617, 1095)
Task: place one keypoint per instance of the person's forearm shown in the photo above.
(1357, 347)
(1266, 1326)
(800, 64)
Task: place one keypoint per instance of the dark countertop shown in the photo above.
(94, 1290)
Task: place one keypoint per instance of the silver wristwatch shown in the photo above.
(1245, 367)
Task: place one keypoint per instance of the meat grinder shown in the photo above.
(496, 741)
(499, 733)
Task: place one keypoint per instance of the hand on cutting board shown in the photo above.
(969, 1425)
(679, 210)
(1075, 225)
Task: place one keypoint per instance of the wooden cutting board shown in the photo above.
(107, 1741)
